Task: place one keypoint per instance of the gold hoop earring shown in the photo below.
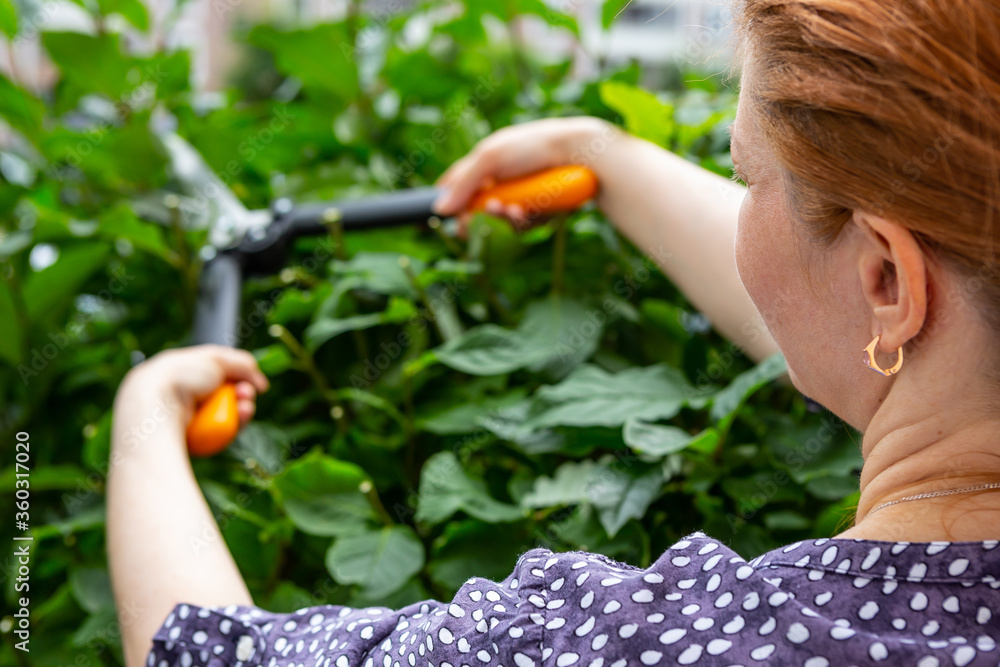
(870, 359)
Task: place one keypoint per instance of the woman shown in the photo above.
(867, 132)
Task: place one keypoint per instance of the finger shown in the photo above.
(518, 217)
(465, 184)
(246, 403)
(447, 204)
(240, 365)
(495, 207)
(246, 391)
(441, 205)
(464, 220)
(246, 409)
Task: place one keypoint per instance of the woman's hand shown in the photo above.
(515, 151)
(164, 546)
(682, 216)
(172, 382)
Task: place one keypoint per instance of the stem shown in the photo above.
(332, 217)
(404, 263)
(486, 284)
(20, 308)
(517, 50)
(369, 490)
(408, 405)
(187, 268)
(364, 99)
(411, 442)
(337, 410)
(453, 247)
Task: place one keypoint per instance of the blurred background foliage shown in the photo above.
(437, 407)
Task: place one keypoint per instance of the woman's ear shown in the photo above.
(893, 271)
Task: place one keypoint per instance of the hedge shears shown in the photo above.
(244, 242)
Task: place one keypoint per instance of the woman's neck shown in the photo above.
(947, 448)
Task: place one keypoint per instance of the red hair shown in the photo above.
(890, 107)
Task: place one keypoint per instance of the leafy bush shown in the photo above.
(436, 407)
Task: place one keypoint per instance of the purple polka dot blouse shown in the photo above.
(813, 603)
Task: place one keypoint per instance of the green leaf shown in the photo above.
(509, 423)
(612, 10)
(132, 10)
(322, 495)
(122, 223)
(380, 561)
(97, 443)
(505, 10)
(60, 477)
(838, 516)
(323, 330)
(257, 554)
(583, 531)
(21, 109)
(484, 350)
(92, 588)
(591, 396)
(556, 335)
(15, 241)
(55, 286)
(456, 417)
(759, 488)
(645, 115)
(445, 488)
(832, 487)
(287, 597)
(95, 630)
(658, 440)
(104, 70)
(474, 549)
(621, 495)
(379, 272)
(294, 305)
(265, 444)
(618, 491)
(274, 359)
(398, 310)
(384, 406)
(8, 18)
(80, 521)
(813, 448)
(568, 486)
(786, 520)
(667, 317)
(11, 336)
(321, 56)
(728, 401)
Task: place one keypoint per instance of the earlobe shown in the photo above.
(893, 275)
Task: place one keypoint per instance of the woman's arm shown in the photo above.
(164, 546)
(682, 216)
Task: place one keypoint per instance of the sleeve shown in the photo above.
(486, 624)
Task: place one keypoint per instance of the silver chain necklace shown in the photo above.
(935, 494)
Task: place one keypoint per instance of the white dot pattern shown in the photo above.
(815, 603)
